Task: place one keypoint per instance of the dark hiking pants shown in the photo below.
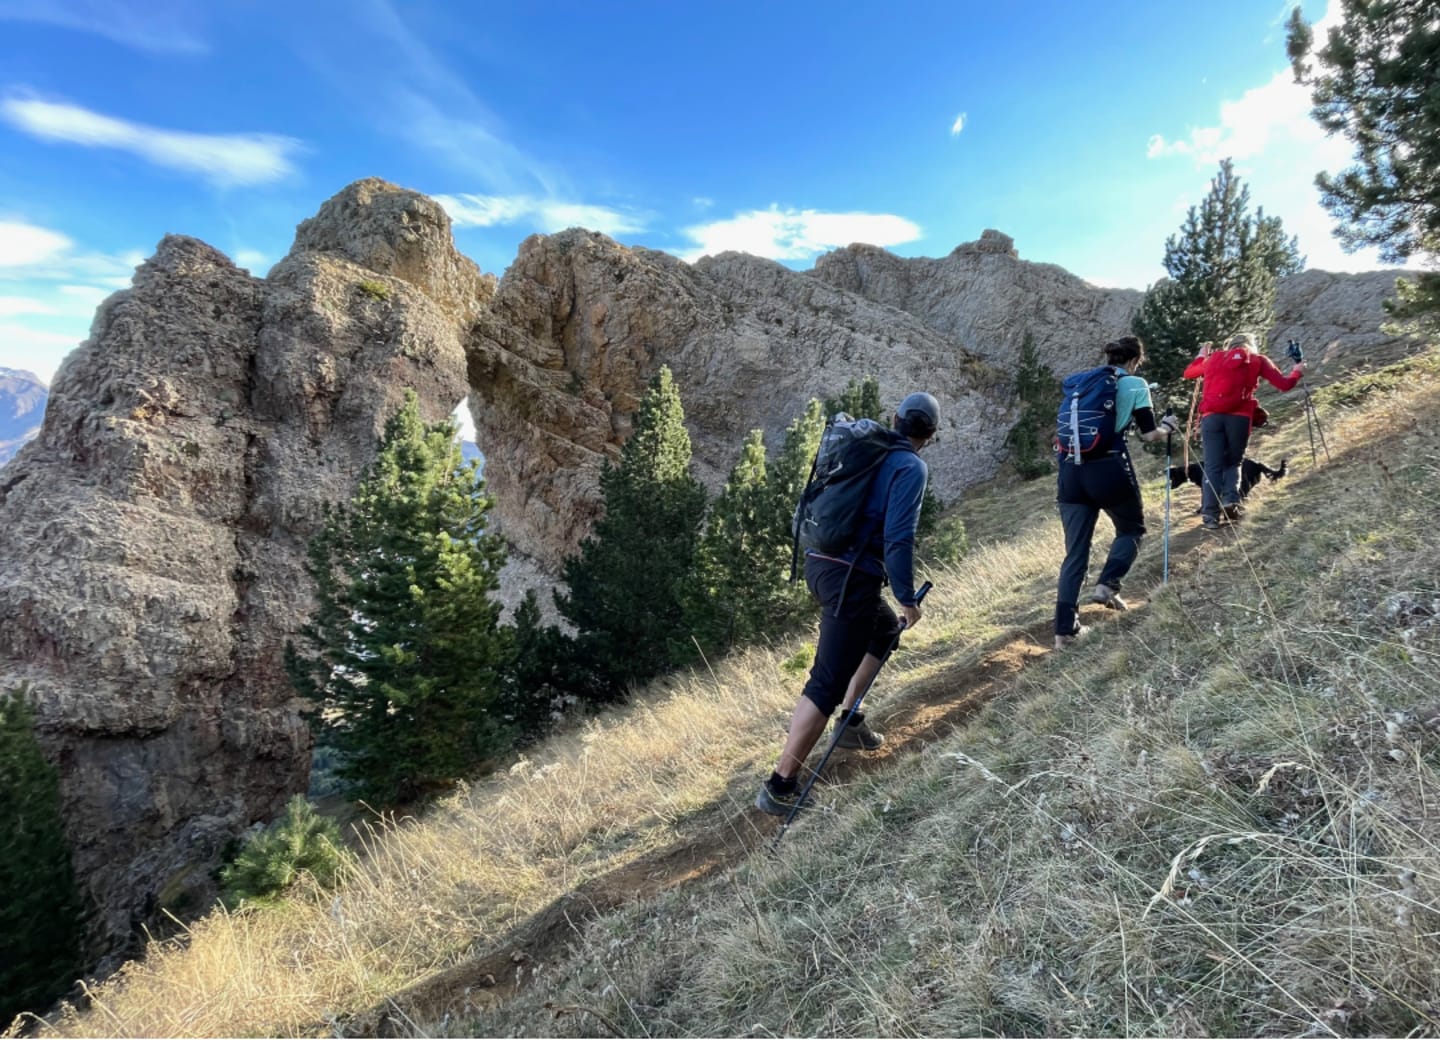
(1107, 485)
(1225, 438)
(854, 620)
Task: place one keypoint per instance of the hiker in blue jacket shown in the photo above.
(1105, 481)
(857, 627)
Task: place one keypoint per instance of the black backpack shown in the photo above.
(1085, 422)
(827, 518)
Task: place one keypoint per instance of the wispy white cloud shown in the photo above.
(36, 350)
(151, 25)
(1278, 149)
(464, 425)
(13, 305)
(22, 244)
(958, 125)
(792, 234)
(545, 214)
(1275, 113)
(223, 159)
(252, 260)
(417, 96)
(48, 293)
(465, 139)
(83, 297)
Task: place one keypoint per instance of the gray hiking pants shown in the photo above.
(1225, 438)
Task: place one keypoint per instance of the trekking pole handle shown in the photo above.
(919, 595)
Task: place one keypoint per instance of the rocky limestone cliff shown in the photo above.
(986, 299)
(579, 324)
(152, 535)
(1335, 317)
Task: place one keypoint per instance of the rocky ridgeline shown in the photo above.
(152, 536)
(984, 297)
(579, 324)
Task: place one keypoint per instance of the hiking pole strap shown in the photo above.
(920, 594)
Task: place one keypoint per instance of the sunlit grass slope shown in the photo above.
(1216, 815)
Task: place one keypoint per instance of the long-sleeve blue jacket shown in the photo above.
(889, 519)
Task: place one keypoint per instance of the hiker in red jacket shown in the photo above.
(1227, 407)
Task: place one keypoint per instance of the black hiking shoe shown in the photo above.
(1233, 513)
(857, 735)
(1211, 523)
(774, 802)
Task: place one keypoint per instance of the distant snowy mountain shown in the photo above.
(22, 406)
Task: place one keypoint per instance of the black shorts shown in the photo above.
(855, 621)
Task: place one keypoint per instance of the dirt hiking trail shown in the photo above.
(916, 715)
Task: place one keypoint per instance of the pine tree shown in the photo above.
(629, 579)
(1224, 266)
(548, 674)
(1377, 81)
(300, 842)
(860, 400)
(744, 558)
(1039, 394)
(785, 481)
(40, 919)
(406, 660)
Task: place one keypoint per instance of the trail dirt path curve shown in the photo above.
(926, 710)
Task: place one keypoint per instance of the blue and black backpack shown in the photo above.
(1085, 423)
(827, 518)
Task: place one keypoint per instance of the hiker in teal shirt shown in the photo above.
(1105, 482)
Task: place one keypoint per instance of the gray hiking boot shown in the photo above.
(1061, 642)
(857, 735)
(1108, 597)
(776, 803)
(1211, 523)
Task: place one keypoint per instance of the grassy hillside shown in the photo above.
(1215, 815)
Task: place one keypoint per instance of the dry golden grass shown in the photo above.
(432, 891)
(1216, 816)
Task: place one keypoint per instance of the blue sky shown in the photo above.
(782, 129)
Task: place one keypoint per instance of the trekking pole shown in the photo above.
(1314, 459)
(1165, 566)
(1310, 411)
(1312, 418)
(815, 775)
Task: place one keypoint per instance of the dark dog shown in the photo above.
(1250, 474)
